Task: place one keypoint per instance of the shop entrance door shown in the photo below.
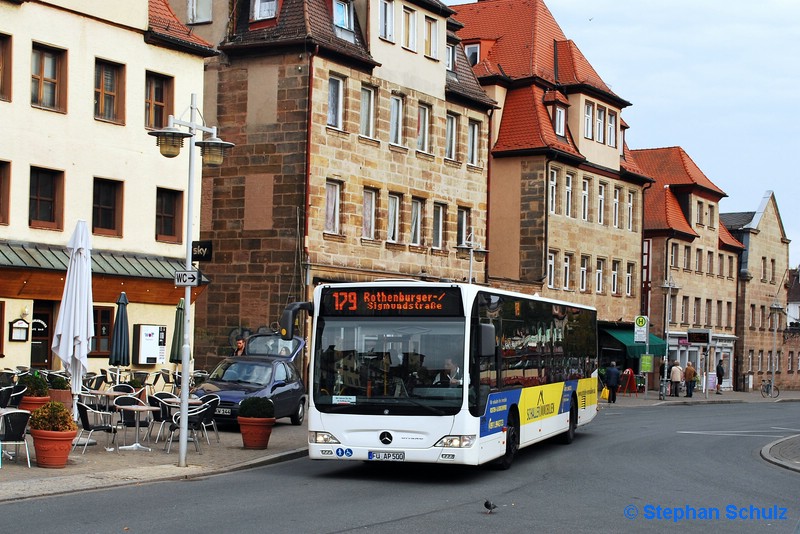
(41, 335)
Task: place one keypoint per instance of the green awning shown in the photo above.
(633, 349)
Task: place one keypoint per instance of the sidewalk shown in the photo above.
(100, 469)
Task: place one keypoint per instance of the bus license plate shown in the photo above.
(387, 456)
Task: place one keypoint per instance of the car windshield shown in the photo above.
(271, 345)
(384, 365)
(243, 372)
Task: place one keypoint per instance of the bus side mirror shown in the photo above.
(487, 340)
(289, 316)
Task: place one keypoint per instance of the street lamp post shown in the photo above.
(774, 309)
(669, 285)
(170, 140)
(471, 249)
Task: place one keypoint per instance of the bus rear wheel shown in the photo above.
(512, 442)
(569, 435)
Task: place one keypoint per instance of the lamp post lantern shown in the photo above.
(169, 141)
(774, 309)
(473, 250)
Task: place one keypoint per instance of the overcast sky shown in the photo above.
(720, 79)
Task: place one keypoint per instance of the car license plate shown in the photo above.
(222, 411)
(387, 456)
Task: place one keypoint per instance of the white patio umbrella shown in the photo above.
(75, 325)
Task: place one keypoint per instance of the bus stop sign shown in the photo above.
(640, 329)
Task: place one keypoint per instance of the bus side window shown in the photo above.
(483, 365)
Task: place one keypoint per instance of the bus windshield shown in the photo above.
(389, 366)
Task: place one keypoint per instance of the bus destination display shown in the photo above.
(392, 301)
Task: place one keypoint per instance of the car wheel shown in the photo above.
(299, 414)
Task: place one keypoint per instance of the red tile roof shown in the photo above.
(726, 240)
(662, 212)
(673, 166)
(165, 28)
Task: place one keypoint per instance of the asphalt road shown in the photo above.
(632, 469)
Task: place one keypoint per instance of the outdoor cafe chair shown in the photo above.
(208, 418)
(7, 377)
(166, 377)
(161, 417)
(16, 395)
(194, 424)
(5, 396)
(14, 423)
(124, 388)
(88, 416)
(128, 419)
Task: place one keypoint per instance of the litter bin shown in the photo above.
(743, 383)
(662, 392)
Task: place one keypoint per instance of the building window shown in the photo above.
(46, 199)
(585, 200)
(615, 277)
(752, 322)
(760, 360)
(611, 137)
(199, 11)
(109, 91)
(728, 314)
(396, 120)
(684, 310)
(750, 360)
(588, 120)
(107, 207)
(772, 271)
(367, 120)
(393, 227)
(450, 60)
(5, 191)
(598, 279)
(601, 202)
(601, 124)
(720, 265)
(567, 270)
(630, 211)
(551, 270)
(790, 361)
(450, 136)
(48, 78)
(568, 195)
(265, 9)
(712, 217)
(763, 269)
(699, 212)
(100, 344)
(431, 38)
(584, 275)
(409, 29)
(473, 52)
(169, 213)
(673, 255)
(335, 102)
(343, 14)
(386, 20)
(463, 223)
(472, 142)
(560, 121)
(5, 67)
(551, 190)
(438, 225)
(687, 257)
(719, 314)
(157, 100)
(730, 267)
(710, 262)
(368, 216)
(698, 261)
(332, 206)
(629, 279)
(416, 221)
(423, 128)
(673, 302)
(615, 208)
(696, 319)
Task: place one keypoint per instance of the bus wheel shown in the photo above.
(512, 442)
(569, 435)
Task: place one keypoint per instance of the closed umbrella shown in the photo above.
(177, 335)
(75, 324)
(120, 339)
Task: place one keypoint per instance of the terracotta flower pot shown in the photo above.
(64, 396)
(31, 403)
(255, 431)
(52, 448)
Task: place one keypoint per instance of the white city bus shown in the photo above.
(402, 370)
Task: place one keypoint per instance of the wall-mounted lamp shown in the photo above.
(25, 312)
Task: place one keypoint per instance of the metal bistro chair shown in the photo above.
(5, 396)
(208, 419)
(16, 395)
(194, 424)
(160, 418)
(166, 377)
(127, 419)
(86, 415)
(14, 423)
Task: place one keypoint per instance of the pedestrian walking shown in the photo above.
(612, 382)
(675, 376)
(689, 375)
(720, 376)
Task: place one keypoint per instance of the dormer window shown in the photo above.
(473, 52)
(265, 9)
(343, 20)
(451, 57)
(559, 121)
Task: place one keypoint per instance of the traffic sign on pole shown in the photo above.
(187, 278)
(640, 330)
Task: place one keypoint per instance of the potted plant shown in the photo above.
(60, 390)
(256, 417)
(37, 392)
(53, 430)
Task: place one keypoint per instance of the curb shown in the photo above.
(766, 454)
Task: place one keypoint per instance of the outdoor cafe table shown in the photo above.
(139, 409)
(108, 394)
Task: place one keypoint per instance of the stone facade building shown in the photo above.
(761, 319)
(691, 261)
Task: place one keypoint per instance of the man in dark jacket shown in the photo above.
(612, 381)
(720, 376)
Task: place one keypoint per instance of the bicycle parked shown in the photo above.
(768, 389)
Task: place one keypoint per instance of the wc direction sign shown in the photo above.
(640, 329)
(187, 278)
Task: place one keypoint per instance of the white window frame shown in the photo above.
(368, 206)
(416, 222)
(409, 29)
(264, 9)
(367, 120)
(559, 123)
(393, 219)
(629, 279)
(568, 195)
(473, 50)
(601, 203)
(630, 211)
(611, 137)
(473, 140)
(450, 57)
(584, 276)
(332, 206)
(551, 270)
(386, 20)
(598, 279)
(423, 128)
(198, 11)
(431, 38)
(335, 102)
(566, 271)
(462, 228)
(687, 257)
(451, 133)
(588, 120)
(439, 212)
(601, 125)
(396, 120)
(343, 14)
(552, 190)
(615, 277)
(615, 211)
(585, 186)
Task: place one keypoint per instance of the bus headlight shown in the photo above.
(456, 442)
(321, 438)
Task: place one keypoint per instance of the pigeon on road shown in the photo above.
(490, 506)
